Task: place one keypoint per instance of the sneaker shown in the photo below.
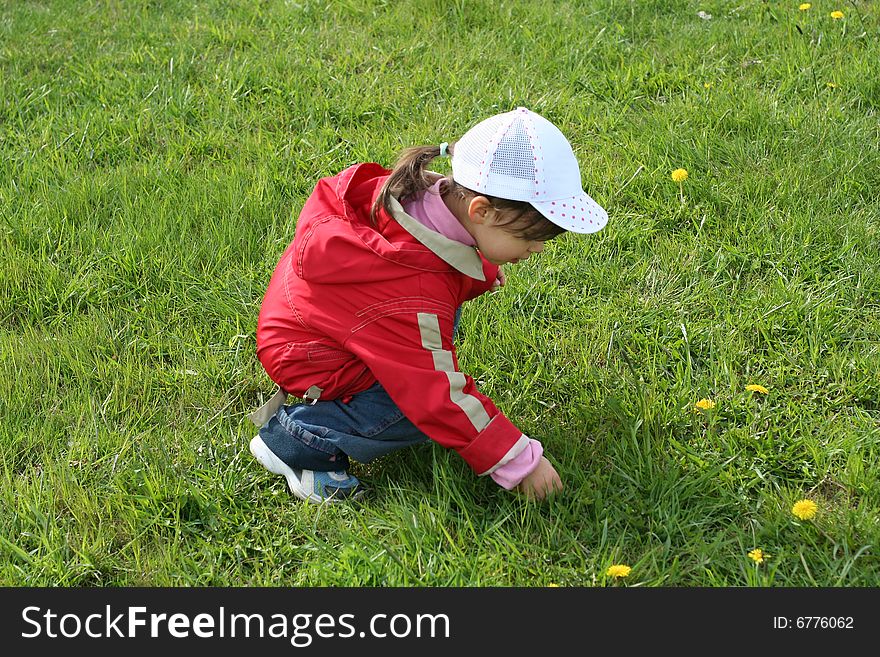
(309, 485)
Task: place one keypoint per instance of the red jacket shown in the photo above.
(350, 304)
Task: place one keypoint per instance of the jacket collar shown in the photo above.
(460, 256)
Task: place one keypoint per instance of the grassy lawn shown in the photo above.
(154, 157)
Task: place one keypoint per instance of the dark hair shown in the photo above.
(409, 176)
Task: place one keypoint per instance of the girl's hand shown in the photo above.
(499, 281)
(542, 481)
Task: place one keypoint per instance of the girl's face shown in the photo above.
(499, 246)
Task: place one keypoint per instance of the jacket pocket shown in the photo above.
(314, 351)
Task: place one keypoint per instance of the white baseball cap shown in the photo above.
(521, 156)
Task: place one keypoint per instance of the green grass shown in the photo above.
(153, 158)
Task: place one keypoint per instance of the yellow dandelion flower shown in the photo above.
(680, 175)
(618, 570)
(706, 85)
(704, 405)
(553, 586)
(831, 85)
(754, 387)
(757, 555)
(804, 509)
(804, 6)
(836, 15)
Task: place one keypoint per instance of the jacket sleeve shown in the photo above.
(408, 347)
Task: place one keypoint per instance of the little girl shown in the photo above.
(359, 316)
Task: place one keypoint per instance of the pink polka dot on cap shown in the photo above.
(581, 213)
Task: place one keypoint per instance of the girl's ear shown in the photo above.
(480, 210)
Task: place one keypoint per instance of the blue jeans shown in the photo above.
(324, 435)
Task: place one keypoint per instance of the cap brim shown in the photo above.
(578, 214)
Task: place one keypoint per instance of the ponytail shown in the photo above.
(407, 178)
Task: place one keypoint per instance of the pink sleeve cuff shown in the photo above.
(518, 468)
